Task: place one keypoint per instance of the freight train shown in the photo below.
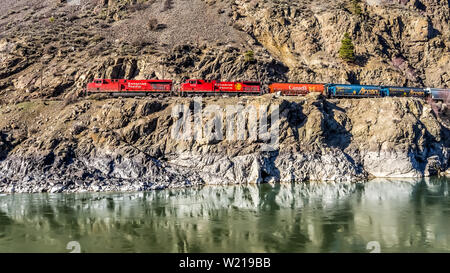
(195, 87)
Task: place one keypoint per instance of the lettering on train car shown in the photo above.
(299, 88)
(364, 91)
(417, 93)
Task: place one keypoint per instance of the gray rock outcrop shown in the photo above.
(127, 144)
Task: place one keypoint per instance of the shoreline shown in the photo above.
(202, 186)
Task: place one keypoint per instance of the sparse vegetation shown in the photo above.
(153, 25)
(98, 33)
(346, 52)
(32, 131)
(138, 6)
(50, 49)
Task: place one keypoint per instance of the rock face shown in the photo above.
(51, 141)
(53, 48)
(128, 144)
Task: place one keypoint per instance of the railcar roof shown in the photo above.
(403, 87)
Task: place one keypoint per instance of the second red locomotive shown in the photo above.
(215, 87)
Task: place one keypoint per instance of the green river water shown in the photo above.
(396, 215)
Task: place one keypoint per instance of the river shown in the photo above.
(399, 215)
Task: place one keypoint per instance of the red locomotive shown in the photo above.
(130, 86)
(214, 87)
(295, 89)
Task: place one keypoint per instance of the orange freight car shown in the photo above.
(296, 89)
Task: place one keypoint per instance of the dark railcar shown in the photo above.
(393, 91)
(348, 90)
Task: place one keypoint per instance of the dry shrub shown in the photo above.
(434, 105)
(152, 24)
(137, 6)
(32, 131)
(133, 32)
(168, 4)
(72, 17)
(50, 49)
(78, 128)
(97, 50)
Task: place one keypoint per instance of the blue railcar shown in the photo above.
(439, 94)
(360, 91)
(395, 91)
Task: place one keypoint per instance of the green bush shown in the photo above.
(249, 56)
(356, 8)
(346, 52)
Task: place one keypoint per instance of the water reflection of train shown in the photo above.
(205, 87)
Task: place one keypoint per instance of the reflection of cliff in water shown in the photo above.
(401, 215)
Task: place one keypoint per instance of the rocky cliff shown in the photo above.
(127, 144)
(52, 140)
(52, 48)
